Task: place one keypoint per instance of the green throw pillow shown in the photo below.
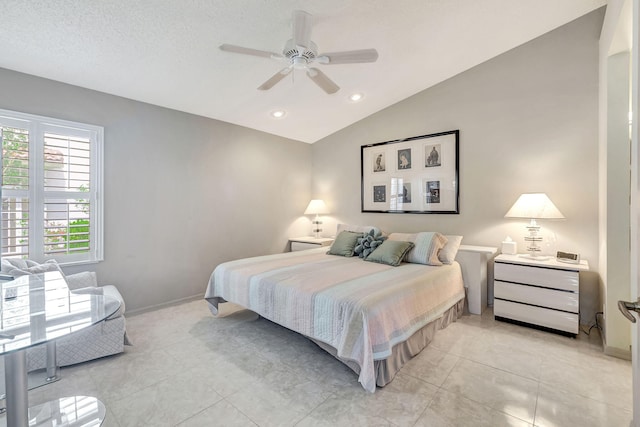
(390, 252)
(344, 244)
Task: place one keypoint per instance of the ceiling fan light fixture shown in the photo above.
(299, 63)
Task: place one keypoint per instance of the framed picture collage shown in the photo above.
(413, 175)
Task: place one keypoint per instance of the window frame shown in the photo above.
(37, 126)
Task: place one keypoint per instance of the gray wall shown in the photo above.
(528, 122)
(182, 193)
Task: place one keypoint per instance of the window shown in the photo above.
(51, 189)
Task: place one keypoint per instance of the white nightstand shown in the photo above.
(543, 293)
(302, 243)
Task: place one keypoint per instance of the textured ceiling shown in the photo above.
(165, 52)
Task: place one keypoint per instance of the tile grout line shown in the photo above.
(461, 358)
(428, 404)
(331, 395)
(535, 409)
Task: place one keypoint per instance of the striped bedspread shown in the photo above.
(360, 308)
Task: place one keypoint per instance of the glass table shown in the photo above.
(37, 309)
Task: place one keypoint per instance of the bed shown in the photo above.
(373, 317)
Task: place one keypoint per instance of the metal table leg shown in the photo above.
(15, 376)
(52, 362)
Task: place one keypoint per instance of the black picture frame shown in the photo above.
(419, 175)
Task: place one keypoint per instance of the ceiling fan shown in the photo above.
(300, 53)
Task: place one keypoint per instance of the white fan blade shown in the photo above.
(302, 22)
(348, 57)
(321, 79)
(248, 51)
(275, 79)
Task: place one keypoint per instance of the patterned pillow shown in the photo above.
(427, 246)
(368, 242)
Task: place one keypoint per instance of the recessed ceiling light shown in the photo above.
(278, 114)
(355, 97)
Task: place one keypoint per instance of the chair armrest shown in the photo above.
(112, 291)
(107, 290)
(89, 290)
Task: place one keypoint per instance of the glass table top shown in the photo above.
(37, 308)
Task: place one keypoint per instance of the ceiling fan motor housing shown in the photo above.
(300, 56)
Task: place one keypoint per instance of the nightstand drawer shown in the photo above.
(559, 300)
(301, 246)
(547, 277)
(553, 319)
(303, 243)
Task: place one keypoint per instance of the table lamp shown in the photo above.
(316, 207)
(534, 206)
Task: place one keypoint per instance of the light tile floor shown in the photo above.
(188, 368)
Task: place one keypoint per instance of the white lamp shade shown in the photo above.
(534, 206)
(316, 207)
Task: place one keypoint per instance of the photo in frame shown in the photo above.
(412, 175)
(379, 162)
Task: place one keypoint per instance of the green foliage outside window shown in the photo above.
(74, 238)
(15, 163)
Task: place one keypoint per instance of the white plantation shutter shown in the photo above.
(67, 187)
(15, 188)
(66, 227)
(15, 227)
(51, 196)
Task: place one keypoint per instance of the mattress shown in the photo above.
(361, 309)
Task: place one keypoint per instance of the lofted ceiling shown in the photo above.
(165, 52)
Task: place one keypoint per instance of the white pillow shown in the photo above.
(448, 254)
(12, 264)
(427, 246)
(357, 228)
(19, 267)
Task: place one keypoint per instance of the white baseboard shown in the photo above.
(163, 305)
(616, 352)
